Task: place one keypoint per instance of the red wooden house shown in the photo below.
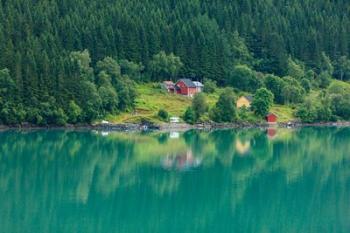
(271, 118)
(187, 87)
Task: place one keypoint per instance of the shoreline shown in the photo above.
(122, 127)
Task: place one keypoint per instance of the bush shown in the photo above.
(244, 78)
(306, 112)
(189, 116)
(12, 115)
(34, 116)
(310, 112)
(324, 79)
(199, 105)
(262, 102)
(306, 84)
(74, 112)
(209, 86)
(109, 98)
(59, 117)
(293, 92)
(225, 109)
(340, 105)
(243, 113)
(276, 85)
(163, 115)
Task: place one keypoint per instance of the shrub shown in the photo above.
(275, 85)
(225, 109)
(324, 79)
(244, 78)
(163, 115)
(189, 116)
(306, 84)
(209, 86)
(262, 102)
(310, 112)
(74, 112)
(199, 105)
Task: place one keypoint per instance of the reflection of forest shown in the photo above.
(241, 173)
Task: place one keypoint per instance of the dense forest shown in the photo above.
(76, 60)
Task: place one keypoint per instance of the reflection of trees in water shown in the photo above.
(71, 166)
(72, 159)
(107, 161)
(86, 153)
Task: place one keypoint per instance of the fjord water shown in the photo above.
(276, 180)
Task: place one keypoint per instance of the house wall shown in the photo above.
(192, 91)
(271, 119)
(184, 90)
(243, 102)
(199, 89)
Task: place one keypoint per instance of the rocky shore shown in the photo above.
(173, 127)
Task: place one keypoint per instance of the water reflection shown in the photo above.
(181, 162)
(275, 180)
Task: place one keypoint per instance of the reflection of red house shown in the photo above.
(271, 118)
(182, 162)
(271, 133)
(187, 87)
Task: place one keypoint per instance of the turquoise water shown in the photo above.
(284, 180)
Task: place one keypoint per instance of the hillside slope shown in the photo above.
(151, 99)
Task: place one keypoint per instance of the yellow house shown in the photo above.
(244, 101)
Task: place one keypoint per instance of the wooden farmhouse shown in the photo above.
(244, 101)
(188, 87)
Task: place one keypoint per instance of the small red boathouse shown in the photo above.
(271, 118)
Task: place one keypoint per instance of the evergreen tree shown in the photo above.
(58, 48)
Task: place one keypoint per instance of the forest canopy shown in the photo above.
(77, 60)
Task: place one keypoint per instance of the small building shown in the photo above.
(244, 101)
(169, 86)
(271, 118)
(174, 119)
(199, 86)
(187, 87)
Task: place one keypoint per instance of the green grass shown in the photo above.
(285, 113)
(151, 99)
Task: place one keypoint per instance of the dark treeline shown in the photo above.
(43, 80)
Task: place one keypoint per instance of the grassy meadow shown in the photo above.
(151, 98)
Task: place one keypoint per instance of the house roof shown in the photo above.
(198, 84)
(271, 114)
(187, 82)
(168, 83)
(247, 97)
